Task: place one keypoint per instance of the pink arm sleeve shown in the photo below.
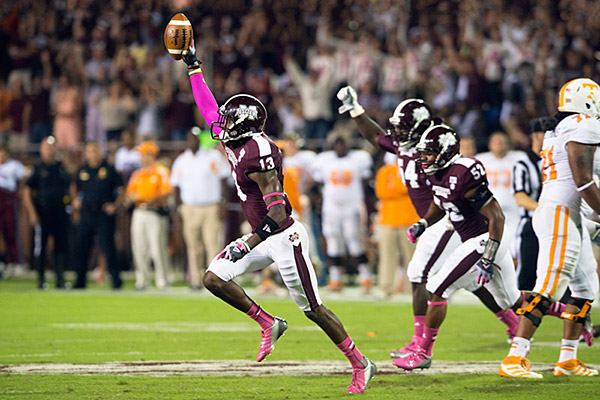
(205, 100)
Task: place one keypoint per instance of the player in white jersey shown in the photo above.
(342, 172)
(498, 163)
(565, 258)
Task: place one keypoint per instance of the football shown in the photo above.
(178, 36)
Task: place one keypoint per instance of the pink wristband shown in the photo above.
(266, 196)
(437, 303)
(275, 202)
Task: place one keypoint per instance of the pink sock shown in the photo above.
(264, 319)
(556, 309)
(510, 319)
(351, 352)
(419, 324)
(428, 338)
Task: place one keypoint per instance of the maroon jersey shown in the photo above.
(257, 154)
(449, 191)
(417, 185)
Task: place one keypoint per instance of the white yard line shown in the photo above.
(249, 368)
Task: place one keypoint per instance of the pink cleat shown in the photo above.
(361, 377)
(403, 352)
(270, 336)
(416, 359)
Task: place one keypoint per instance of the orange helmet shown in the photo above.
(148, 148)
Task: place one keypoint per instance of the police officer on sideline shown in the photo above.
(97, 194)
(45, 197)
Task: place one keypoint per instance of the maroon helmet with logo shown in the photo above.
(442, 141)
(410, 119)
(241, 116)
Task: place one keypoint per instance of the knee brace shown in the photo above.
(584, 310)
(535, 301)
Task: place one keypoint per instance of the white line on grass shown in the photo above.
(173, 326)
(249, 368)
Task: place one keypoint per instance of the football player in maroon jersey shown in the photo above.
(460, 190)
(411, 118)
(256, 166)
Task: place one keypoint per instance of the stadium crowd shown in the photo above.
(87, 71)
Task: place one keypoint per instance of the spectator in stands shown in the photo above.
(94, 205)
(18, 125)
(5, 123)
(46, 196)
(149, 125)
(315, 91)
(94, 124)
(149, 189)
(180, 109)
(37, 108)
(11, 173)
(392, 226)
(67, 114)
(116, 110)
(199, 180)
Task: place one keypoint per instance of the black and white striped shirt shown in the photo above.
(527, 178)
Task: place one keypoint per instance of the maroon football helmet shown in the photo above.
(410, 119)
(442, 141)
(241, 116)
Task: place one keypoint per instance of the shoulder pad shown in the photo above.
(466, 162)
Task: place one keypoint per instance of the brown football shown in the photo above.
(178, 36)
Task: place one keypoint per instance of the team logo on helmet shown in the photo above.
(420, 114)
(241, 116)
(446, 140)
(442, 141)
(410, 119)
(246, 112)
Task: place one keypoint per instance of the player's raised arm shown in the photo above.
(368, 128)
(581, 161)
(204, 98)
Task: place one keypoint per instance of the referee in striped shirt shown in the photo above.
(527, 185)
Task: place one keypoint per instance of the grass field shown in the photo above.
(181, 336)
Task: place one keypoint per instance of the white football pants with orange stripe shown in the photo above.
(565, 257)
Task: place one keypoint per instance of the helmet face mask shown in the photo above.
(439, 147)
(241, 116)
(581, 96)
(408, 122)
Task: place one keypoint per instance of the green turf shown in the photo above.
(99, 325)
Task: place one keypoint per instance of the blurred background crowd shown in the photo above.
(97, 71)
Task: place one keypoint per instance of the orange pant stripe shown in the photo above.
(553, 248)
(562, 253)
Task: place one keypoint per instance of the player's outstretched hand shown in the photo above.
(485, 270)
(415, 230)
(190, 58)
(347, 95)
